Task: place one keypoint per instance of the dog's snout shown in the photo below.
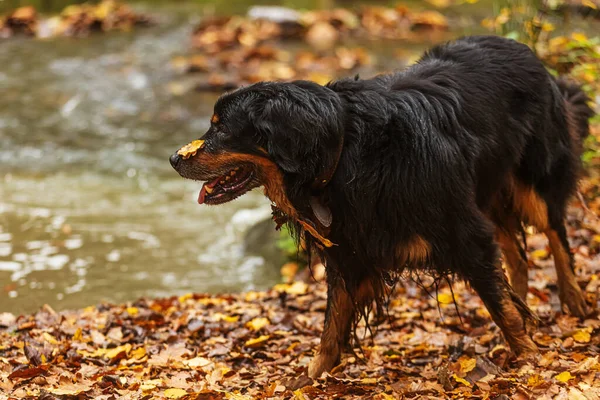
(174, 160)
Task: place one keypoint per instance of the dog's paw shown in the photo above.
(524, 347)
(321, 363)
(573, 300)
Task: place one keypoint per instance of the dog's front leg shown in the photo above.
(338, 322)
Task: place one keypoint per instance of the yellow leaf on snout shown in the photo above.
(190, 149)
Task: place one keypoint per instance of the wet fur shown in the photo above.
(437, 160)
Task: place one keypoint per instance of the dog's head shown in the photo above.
(283, 136)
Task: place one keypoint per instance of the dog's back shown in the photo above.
(508, 95)
(486, 98)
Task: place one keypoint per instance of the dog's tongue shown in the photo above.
(202, 194)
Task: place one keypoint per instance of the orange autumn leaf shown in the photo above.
(259, 341)
(190, 149)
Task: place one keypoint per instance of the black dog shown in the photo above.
(434, 168)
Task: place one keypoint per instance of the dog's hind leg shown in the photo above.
(514, 255)
(480, 266)
(547, 213)
(569, 292)
(342, 308)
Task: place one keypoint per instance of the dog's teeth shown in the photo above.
(208, 189)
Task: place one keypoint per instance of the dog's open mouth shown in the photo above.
(227, 187)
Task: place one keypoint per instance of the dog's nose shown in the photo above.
(174, 159)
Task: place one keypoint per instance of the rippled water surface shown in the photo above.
(90, 208)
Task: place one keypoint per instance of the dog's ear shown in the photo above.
(301, 123)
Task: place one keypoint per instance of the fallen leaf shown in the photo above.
(133, 311)
(297, 287)
(70, 389)
(564, 377)
(49, 338)
(582, 336)
(467, 365)
(227, 318)
(198, 362)
(445, 298)
(461, 380)
(259, 341)
(150, 384)
(535, 380)
(175, 393)
(27, 373)
(258, 323)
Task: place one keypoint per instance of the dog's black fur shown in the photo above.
(429, 168)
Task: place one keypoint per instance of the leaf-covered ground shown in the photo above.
(256, 345)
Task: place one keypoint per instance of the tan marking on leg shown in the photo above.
(569, 292)
(515, 265)
(416, 250)
(530, 205)
(338, 322)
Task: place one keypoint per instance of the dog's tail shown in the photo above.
(578, 110)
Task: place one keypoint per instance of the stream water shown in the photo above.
(90, 209)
